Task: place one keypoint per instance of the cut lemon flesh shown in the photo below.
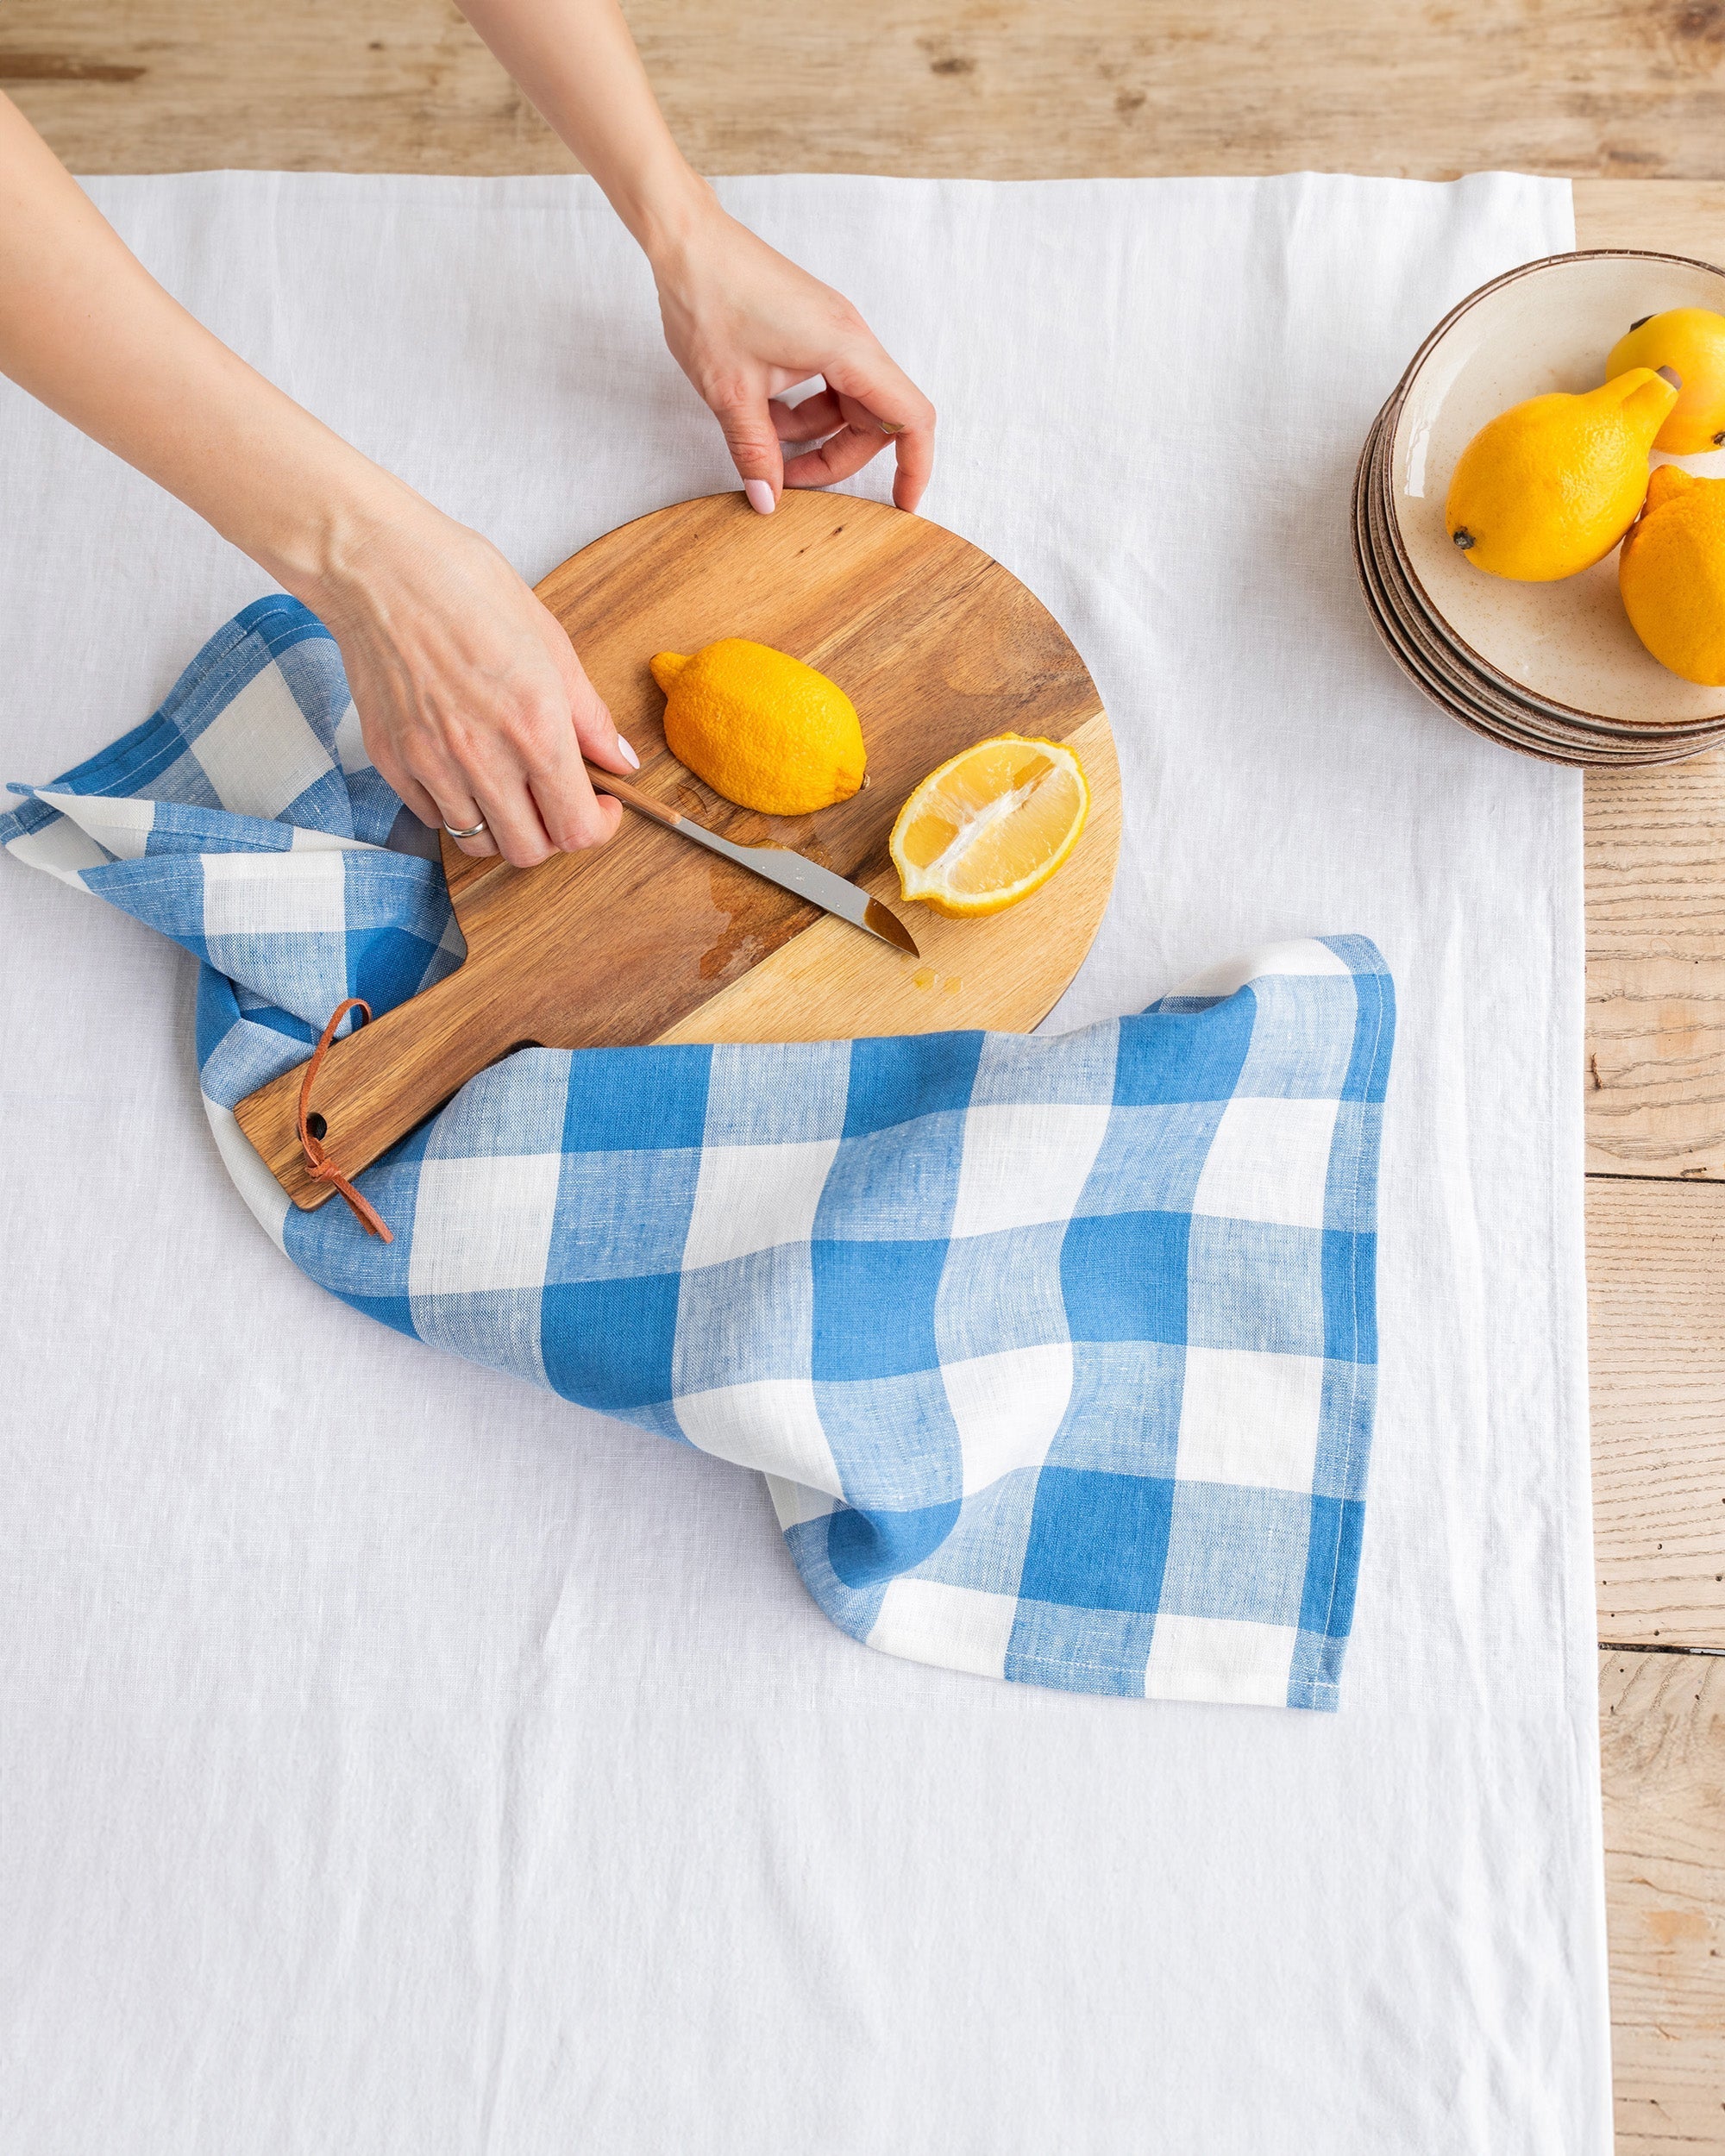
(990, 825)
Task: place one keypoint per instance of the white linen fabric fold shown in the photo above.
(396, 1757)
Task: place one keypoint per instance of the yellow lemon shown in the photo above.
(1672, 573)
(1550, 486)
(1691, 341)
(760, 728)
(990, 825)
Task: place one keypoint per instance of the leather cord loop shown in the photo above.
(319, 1164)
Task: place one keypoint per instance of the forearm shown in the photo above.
(84, 328)
(576, 60)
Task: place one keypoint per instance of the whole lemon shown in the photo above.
(1672, 573)
(1691, 341)
(760, 727)
(1550, 486)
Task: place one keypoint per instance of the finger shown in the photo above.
(576, 819)
(836, 458)
(454, 808)
(860, 436)
(413, 795)
(596, 733)
(491, 770)
(898, 408)
(512, 818)
(807, 422)
(548, 747)
(749, 435)
(458, 822)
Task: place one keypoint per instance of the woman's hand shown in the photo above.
(473, 703)
(741, 321)
(744, 324)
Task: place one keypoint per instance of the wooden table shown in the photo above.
(1626, 96)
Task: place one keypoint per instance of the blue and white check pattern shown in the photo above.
(1059, 1354)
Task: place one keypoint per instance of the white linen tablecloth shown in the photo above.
(394, 1757)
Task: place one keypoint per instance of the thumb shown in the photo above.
(753, 441)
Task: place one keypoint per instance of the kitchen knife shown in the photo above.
(792, 872)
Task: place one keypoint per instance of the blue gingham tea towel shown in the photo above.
(1059, 1354)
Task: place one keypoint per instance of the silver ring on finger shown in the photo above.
(472, 831)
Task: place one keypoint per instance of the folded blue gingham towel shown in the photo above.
(1059, 1354)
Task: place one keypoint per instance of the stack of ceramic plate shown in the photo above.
(1554, 669)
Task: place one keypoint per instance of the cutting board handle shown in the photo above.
(375, 1084)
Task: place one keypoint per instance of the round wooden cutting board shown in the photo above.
(938, 646)
(653, 937)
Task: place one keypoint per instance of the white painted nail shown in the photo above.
(629, 754)
(760, 496)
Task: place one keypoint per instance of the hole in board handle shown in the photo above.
(315, 1125)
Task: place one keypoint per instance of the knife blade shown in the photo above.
(793, 872)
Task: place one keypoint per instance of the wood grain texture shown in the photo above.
(1662, 1736)
(937, 645)
(1656, 1326)
(1669, 216)
(985, 89)
(1655, 867)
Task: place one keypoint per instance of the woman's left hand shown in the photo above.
(744, 324)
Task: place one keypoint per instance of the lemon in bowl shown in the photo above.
(1691, 342)
(1672, 573)
(1547, 488)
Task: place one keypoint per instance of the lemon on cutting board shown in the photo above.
(1549, 487)
(762, 729)
(1672, 573)
(1691, 341)
(990, 825)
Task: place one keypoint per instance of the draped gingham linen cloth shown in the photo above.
(1059, 1354)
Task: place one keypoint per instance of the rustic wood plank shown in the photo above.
(1656, 1328)
(1655, 865)
(1662, 1740)
(1671, 216)
(1009, 89)
(1655, 1079)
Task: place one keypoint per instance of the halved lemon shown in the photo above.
(990, 825)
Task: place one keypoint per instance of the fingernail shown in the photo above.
(892, 426)
(628, 753)
(760, 496)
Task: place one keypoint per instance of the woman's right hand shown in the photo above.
(473, 703)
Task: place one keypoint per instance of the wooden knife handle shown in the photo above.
(632, 796)
(376, 1083)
